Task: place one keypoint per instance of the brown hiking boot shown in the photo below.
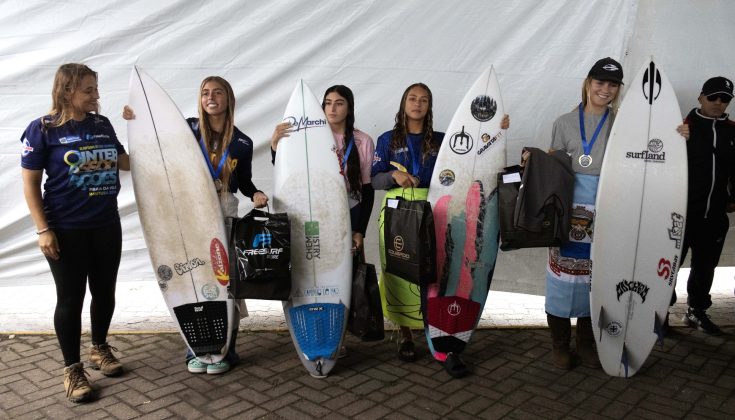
(101, 357)
(586, 343)
(561, 334)
(75, 383)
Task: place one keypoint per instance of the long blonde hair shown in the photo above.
(208, 134)
(66, 82)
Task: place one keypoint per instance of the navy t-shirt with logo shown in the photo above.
(80, 161)
(409, 159)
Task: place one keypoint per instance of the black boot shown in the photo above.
(586, 343)
(561, 334)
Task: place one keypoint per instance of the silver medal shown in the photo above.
(585, 161)
(218, 184)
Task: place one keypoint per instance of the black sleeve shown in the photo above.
(366, 207)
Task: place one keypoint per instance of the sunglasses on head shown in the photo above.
(724, 98)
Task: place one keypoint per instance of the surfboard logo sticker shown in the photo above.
(311, 236)
(210, 291)
(183, 268)
(651, 84)
(632, 286)
(489, 141)
(654, 152)
(676, 232)
(220, 265)
(303, 122)
(614, 329)
(454, 309)
(483, 108)
(664, 268)
(461, 143)
(655, 145)
(446, 177)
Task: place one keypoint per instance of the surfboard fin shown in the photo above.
(658, 329)
(601, 321)
(624, 359)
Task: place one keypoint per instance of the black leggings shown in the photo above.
(92, 254)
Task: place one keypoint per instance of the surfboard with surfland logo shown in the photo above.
(463, 194)
(639, 224)
(310, 188)
(181, 219)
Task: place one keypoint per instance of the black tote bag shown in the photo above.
(260, 256)
(409, 237)
(366, 310)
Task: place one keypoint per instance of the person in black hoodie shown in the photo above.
(711, 160)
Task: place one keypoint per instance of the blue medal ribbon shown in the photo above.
(215, 173)
(347, 154)
(587, 147)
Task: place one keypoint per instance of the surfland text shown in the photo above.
(647, 156)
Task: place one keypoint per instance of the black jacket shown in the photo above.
(711, 160)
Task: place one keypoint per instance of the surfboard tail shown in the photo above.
(318, 328)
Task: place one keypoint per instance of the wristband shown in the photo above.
(42, 231)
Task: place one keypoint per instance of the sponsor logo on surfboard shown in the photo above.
(317, 291)
(653, 154)
(634, 287)
(164, 275)
(220, 265)
(676, 233)
(311, 233)
(488, 141)
(666, 269)
(303, 122)
(461, 143)
(614, 329)
(446, 177)
(210, 291)
(651, 84)
(454, 309)
(183, 268)
(483, 108)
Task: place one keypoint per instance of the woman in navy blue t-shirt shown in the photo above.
(76, 216)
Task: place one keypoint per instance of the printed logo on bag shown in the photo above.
(614, 329)
(483, 108)
(262, 240)
(676, 233)
(397, 250)
(634, 287)
(210, 291)
(446, 177)
(653, 154)
(220, 265)
(667, 269)
(454, 309)
(461, 143)
(303, 122)
(311, 233)
(489, 141)
(183, 268)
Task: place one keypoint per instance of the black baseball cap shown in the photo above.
(607, 69)
(717, 85)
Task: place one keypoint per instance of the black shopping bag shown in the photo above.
(366, 310)
(260, 256)
(410, 244)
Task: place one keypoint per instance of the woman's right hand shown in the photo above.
(128, 113)
(280, 132)
(49, 244)
(404, 179)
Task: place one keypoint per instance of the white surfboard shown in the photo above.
(181, 219)
(309, 187)
(463, 194)
(639, 224)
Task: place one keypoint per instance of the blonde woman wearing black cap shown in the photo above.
(583, 134)
(711, 159)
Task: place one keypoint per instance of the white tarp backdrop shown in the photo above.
(541, 51)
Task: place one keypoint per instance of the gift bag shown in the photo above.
(260, 256)
(410, 245)
(366, 311)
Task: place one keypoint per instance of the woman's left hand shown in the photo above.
(260, 200)
(505, 122)
(683, 129)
